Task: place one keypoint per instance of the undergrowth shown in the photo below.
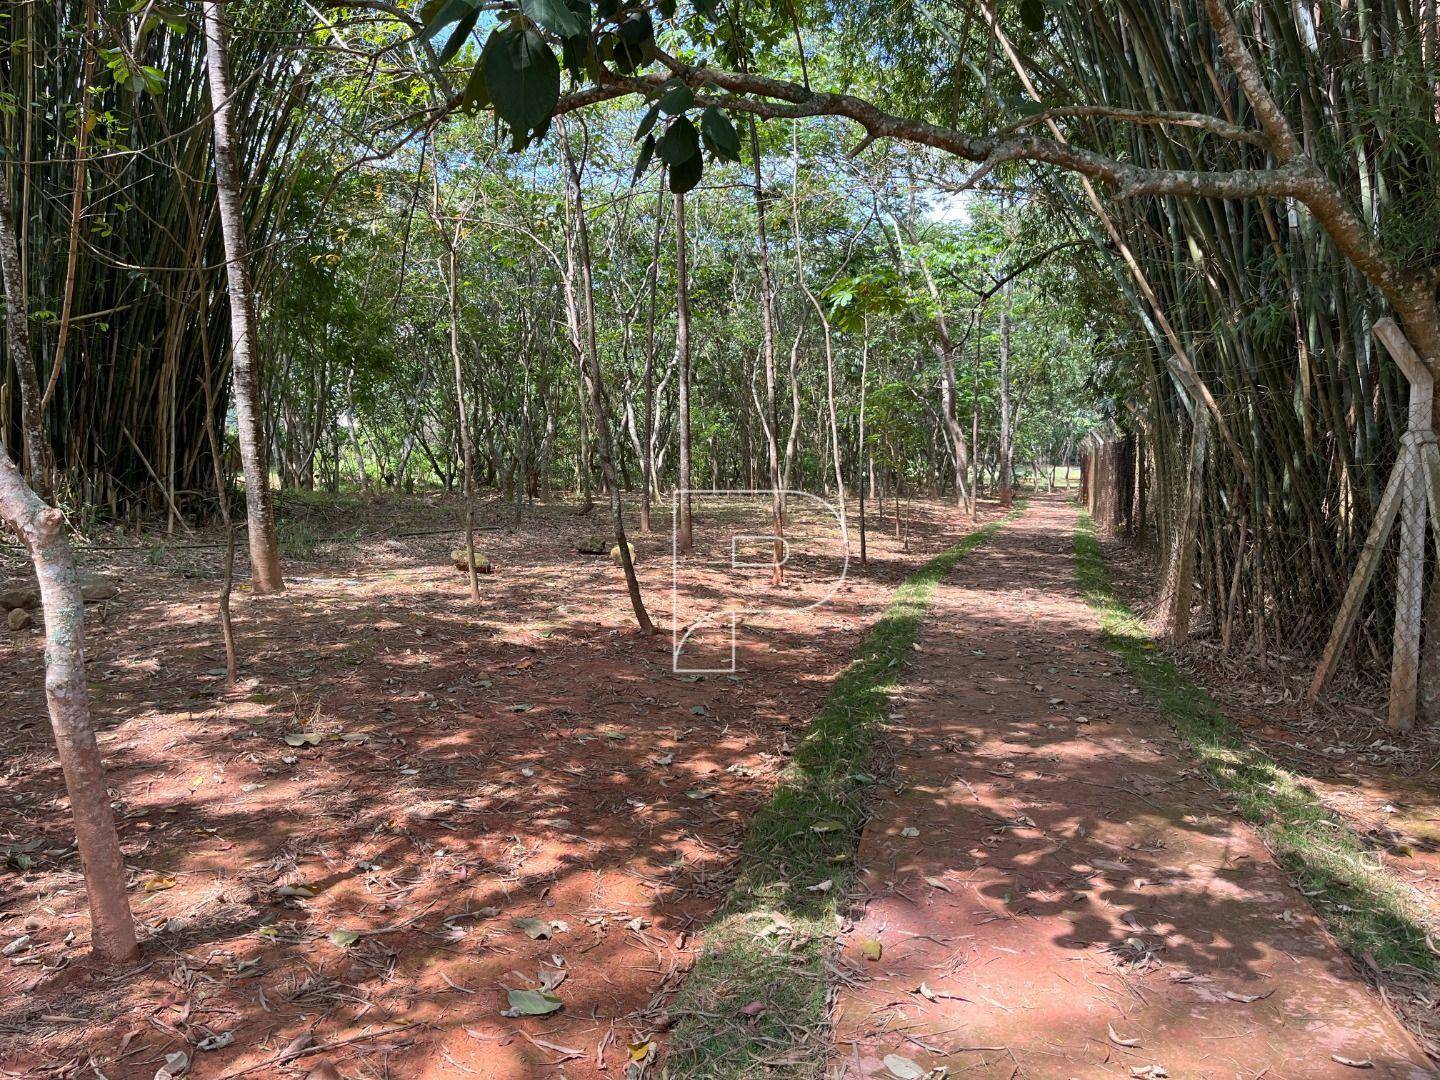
(755, 1004)
(1368, 910)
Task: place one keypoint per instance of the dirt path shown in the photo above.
(1056, 891)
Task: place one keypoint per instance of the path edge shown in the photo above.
(757, 1001)
(1378, 920)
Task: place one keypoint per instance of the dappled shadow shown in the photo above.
(533, 758)
(1056, 889)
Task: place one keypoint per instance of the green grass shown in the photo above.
(1363, 905)
(776, 930)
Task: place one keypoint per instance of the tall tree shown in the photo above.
(685, 540)
(264, 543)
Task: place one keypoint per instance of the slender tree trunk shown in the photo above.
(771, 418)
(17, 336)
(462, 410)
(829, 344)
(685, 540)
(222, 492)
(647, 437)
(975, 422)
(599, 404)
(77, 208)
(41, 527)
(1005, 460)
(264, 545)
(860, 437)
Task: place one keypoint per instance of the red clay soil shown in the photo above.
(1056, 891)
(355, 901)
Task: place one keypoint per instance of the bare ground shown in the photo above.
(354, 899)
(1052, 890)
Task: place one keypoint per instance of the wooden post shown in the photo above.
(1412, 486)
(1410, 573)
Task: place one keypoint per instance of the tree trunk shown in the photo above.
(600, 406)
(771, 418)
(860, 437)
(17, 335)
(647, 436)
(462, 411)
(684, 542)
(264, 546)
(1005, 454)
(41, 527)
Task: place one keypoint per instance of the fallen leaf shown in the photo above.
(216, 1042)
(176, 1064)
(303, 738)
(18, 945)
(531, 1003)
(827, 826)
(1246, 999)
(159, 884)
(824, 886)
(1354, 1063)
(903, 1067)
(536, 928)
(1118, 1039)
(344, 938)
(303, 1041)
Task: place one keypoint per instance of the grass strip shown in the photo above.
(756, 1002)
(1365, 907)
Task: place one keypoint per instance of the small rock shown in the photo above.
(458, 560)
(19, 596)
(20, 619)
(592, 545)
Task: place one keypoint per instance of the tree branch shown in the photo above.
(1212, 124)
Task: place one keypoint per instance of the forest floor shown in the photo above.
(1052, 888)
(410, 807)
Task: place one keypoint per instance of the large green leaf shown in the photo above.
(677, 99)
(720, 135)
(456, 41)
(439, 14)
(523, 78)
(680, 143)
(533, 1002)
(647, 153)
(687, 174)
(555, 16)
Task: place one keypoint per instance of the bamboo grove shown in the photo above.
(1276, 321)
